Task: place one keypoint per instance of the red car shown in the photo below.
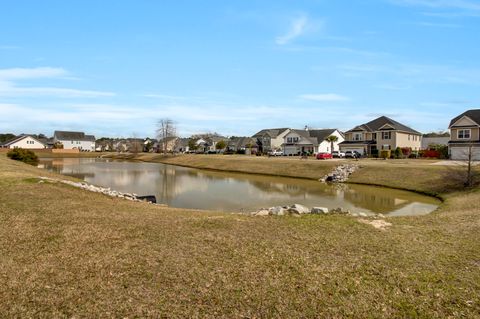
(324, 156)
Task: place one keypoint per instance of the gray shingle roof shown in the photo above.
(315, 136)
(473, 114)
(75, 136)
(272, 132)
(377, 123)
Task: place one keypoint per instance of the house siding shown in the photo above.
(81, 145)
(403, 140)
(27, 143)
(474, 136)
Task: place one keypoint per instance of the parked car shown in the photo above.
(275, 153)
(338, 154)
(324, 156)
(352, 154)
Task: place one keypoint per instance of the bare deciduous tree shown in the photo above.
(166, 130)
(465, 172)
(469, 179)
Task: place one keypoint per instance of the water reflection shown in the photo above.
(191, 188)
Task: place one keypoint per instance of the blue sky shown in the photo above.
(113, 68)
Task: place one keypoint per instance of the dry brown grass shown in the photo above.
(275, 166)
(65, 252)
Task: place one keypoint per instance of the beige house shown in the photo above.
(465, 136)
(380, 134)
(270, 139)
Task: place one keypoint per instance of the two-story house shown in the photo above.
(75, 140)
(270, 139)
(298, 142)
(382, 133)
(465, 136)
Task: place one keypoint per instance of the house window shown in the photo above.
(357, 136)
(386, 147)
(374, 136)
(386, 135)
(464, 134)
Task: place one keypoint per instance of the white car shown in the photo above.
(275, 153)
(338, 154)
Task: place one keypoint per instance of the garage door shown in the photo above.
(290, 150)
(460, 153)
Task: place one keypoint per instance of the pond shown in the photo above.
(231, 192)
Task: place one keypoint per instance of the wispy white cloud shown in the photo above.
(9, 86)
(13, 91)
(441, 4)
(31, 73)
(163, 96)
(9, 47)
(391, 87)
(415, 73)
(328, 97)
(298, 27)
(438, 25)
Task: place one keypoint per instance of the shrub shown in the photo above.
(398, 153)
(385, 154)
(430, 154)
(442, 150)
(406, 151)
(414, 154)
(26, 156)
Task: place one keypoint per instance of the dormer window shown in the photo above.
(464, 134)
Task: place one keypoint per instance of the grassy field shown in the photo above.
(65, 252)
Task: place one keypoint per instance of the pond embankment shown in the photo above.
(412, 175)
(67, 252)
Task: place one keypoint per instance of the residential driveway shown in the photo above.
(453, 163)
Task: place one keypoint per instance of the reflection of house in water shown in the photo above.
(375, 199)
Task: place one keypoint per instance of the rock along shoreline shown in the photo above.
(102, 190)
(298, 210)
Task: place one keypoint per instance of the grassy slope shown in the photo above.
(66, 252)
(276, 166)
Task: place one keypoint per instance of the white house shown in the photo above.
(297, 142)
(75, 140)
(24, 141)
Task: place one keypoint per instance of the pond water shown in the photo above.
(231, 192)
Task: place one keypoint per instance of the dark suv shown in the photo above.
(352, 154)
